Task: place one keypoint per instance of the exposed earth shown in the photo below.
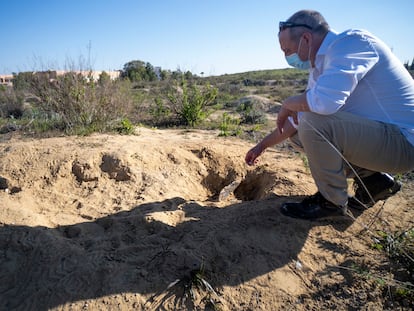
(116, 222)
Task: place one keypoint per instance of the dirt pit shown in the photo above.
(132, 222)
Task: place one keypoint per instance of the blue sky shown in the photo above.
(211, 36)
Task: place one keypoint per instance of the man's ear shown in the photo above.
(307, 36)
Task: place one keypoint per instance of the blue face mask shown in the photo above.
(295, 61)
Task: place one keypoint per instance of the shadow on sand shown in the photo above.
(133, 251)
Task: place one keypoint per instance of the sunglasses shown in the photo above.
(285, 25)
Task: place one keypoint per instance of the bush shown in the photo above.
(190, 103)
(125, 127)
(11, 103)
(251, 112)
(229, 126)
(159, 111)
(80, 102)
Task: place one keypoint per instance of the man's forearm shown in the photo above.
(296, 103)
(276, 137)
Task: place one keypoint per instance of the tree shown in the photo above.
(133, 69)
(137, 70)
(150, 73)
(164, 74)
(104, 78)
(188, 75)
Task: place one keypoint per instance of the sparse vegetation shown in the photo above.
(72, 103)
(399, 247)
(229, 125)
(76, 104)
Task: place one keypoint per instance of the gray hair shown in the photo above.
(311, 18)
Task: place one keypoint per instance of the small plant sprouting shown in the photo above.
(125, 127)
(229, 126)
(399, 247)
(185, 292)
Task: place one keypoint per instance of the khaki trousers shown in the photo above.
(369, 146)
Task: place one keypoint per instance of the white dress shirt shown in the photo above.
(357, 73)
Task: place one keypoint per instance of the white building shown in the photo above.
(6, 80)
(53, 74)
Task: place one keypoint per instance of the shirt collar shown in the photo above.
(329, 38)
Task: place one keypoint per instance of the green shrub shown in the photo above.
(125, 127)
(190, 103)
(251, 112)
(159, 111)
(80, 102)
(229, 126)
(11, 102)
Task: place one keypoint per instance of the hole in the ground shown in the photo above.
(225, 179)
(215, 182)
(221, 171)
(4, 183)
(256, 185)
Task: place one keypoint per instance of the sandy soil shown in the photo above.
(137, 222)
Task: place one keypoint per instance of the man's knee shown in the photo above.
(297, 144)
(311, 120)
(311, 124)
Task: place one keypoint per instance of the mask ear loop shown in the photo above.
(309, 54)
(300, 42)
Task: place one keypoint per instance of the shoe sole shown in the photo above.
(387, 193)
(323, 214)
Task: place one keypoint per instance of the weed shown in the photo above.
(125, 127)
(186, 291)
(305, 161)
(392, 288)
(399, 247)
(229, 126)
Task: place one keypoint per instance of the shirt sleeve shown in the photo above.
(290, 119)
(346, 62)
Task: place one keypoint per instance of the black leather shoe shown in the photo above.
(312, 207)
(380, 186)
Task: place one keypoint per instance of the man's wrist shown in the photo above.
(261, 146)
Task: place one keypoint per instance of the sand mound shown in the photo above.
(109, 222)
